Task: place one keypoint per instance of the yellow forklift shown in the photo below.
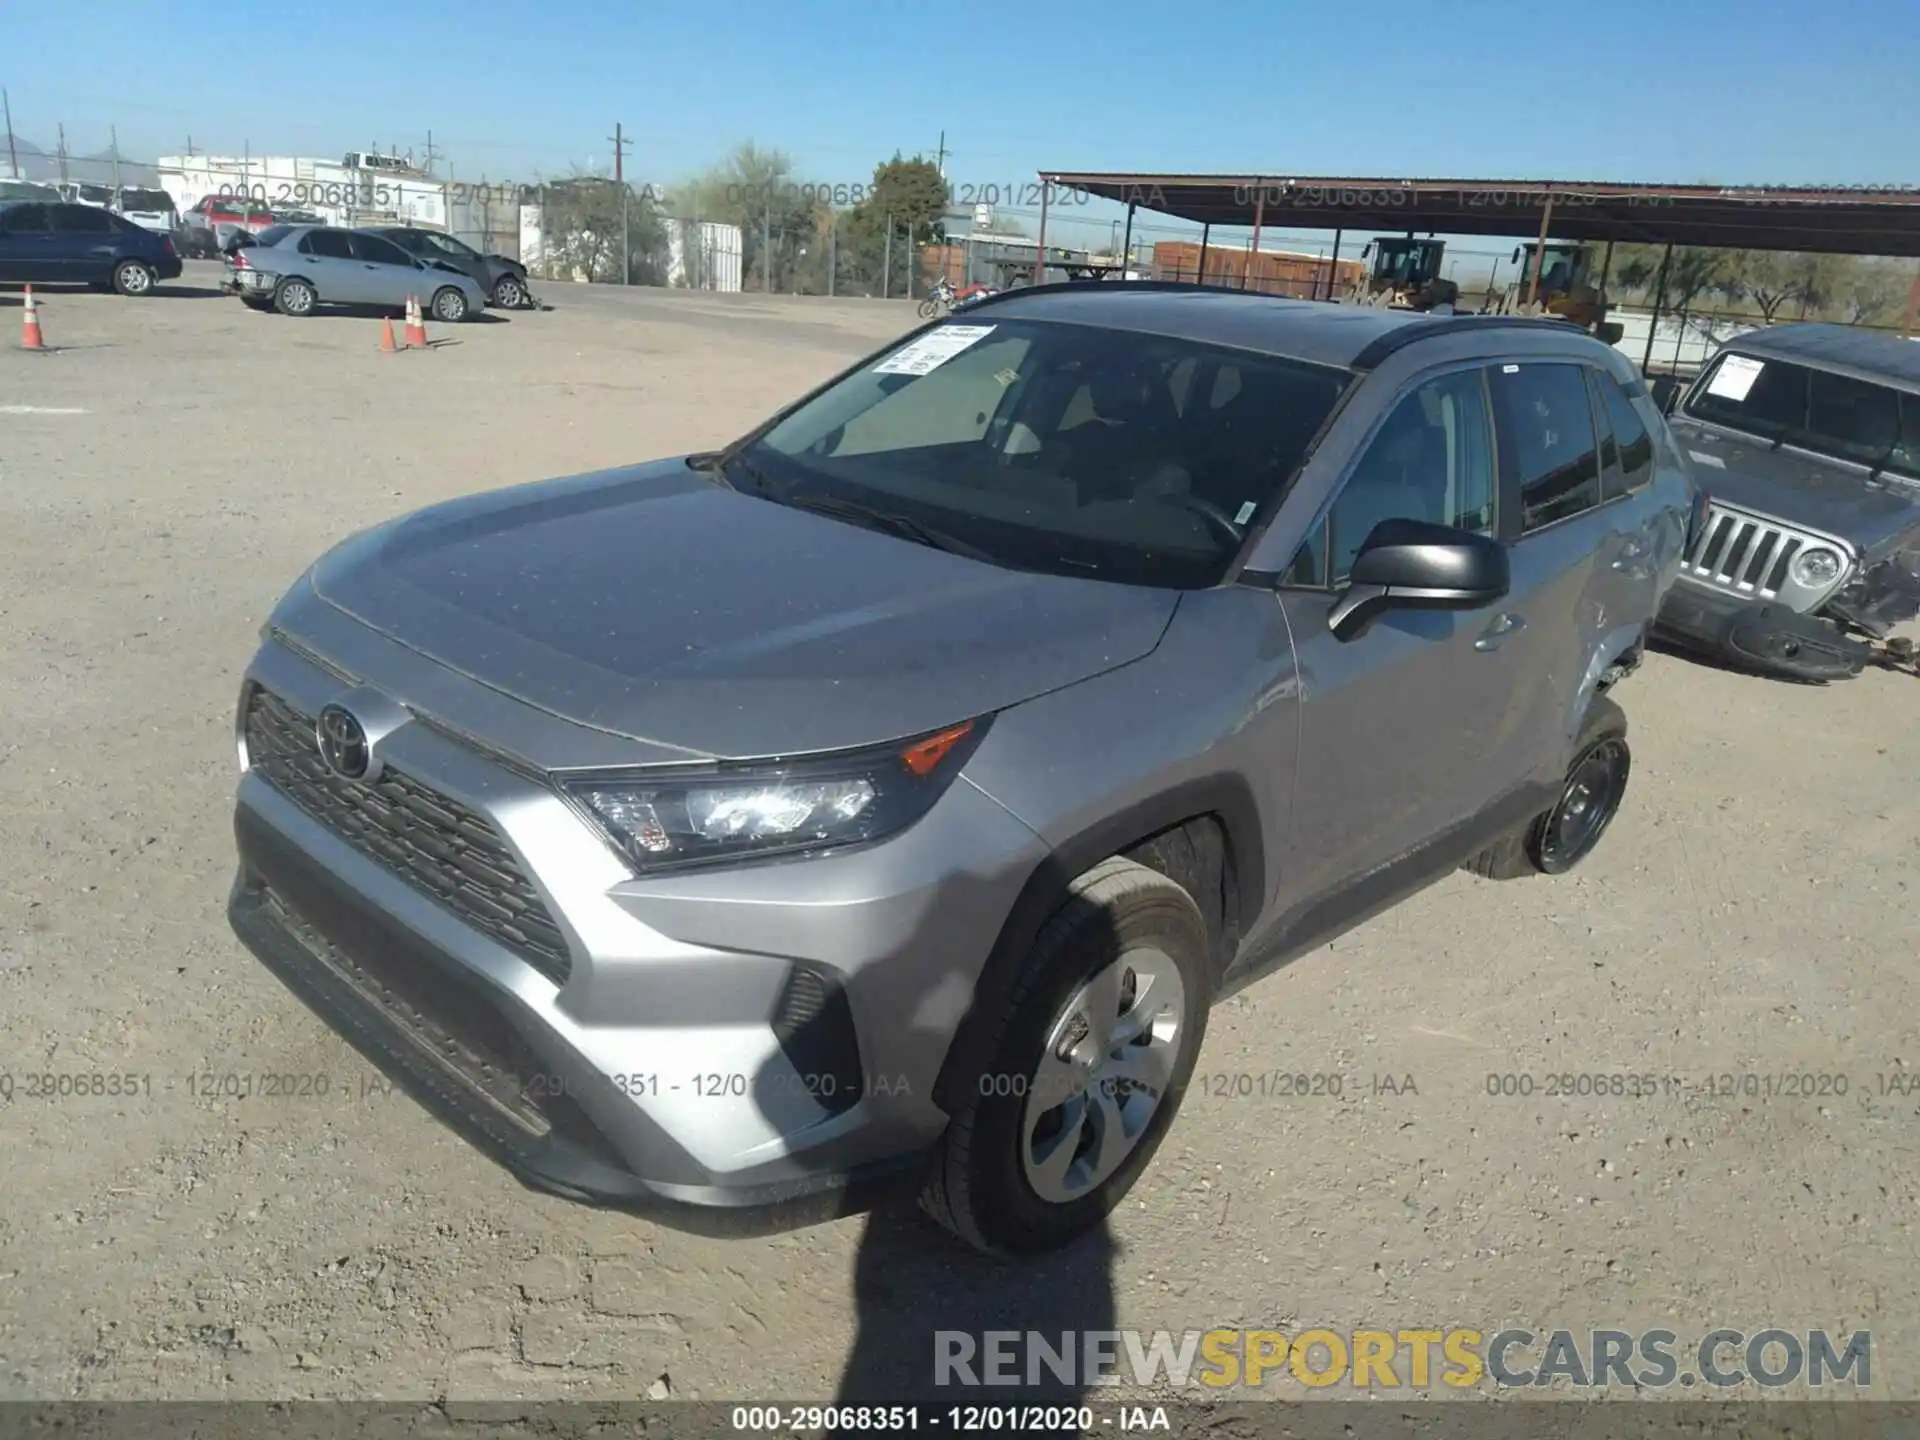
(1568, 288)
(1405, 274)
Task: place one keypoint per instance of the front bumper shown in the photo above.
(656, 1068)
(1763, 636)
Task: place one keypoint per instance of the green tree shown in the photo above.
(756, 189)
(581, 226)
(906, 200)
(1874, 293)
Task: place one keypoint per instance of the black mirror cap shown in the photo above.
(1419, 555)
(1418, 564)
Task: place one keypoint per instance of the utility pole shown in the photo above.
(62, 152)
(13, 157)
(191, 152)
(433, 154)
(114, 132)
(620, 142)
(941, 163)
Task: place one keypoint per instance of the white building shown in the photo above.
(339, 194)
(704, 255)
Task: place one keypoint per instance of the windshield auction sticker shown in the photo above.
(1735, 377)
(932, 350)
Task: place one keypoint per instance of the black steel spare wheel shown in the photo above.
(1589, 800)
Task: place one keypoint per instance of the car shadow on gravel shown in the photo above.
(921, 1298)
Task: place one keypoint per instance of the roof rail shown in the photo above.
(1080, 287)
(1428, 326)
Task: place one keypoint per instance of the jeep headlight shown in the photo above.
(1817, 566)
(678, 816)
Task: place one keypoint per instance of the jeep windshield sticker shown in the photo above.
(1703, 458)
(932, 350)
(1735, 377)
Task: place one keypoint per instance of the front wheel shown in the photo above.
(132, 277)
(929, 308)
(1093, 1055)
(509, 293)
(449, 305)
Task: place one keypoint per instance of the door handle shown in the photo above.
(1500, 627)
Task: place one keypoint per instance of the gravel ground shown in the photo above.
(175, 464)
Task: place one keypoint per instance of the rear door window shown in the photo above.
(329, 244)
(82, 220)
(1628, 433)
(24, 220)
(1547, 446)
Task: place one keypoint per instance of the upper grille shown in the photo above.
(435, 844)
(1747, 555)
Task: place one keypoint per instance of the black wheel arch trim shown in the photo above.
(1227, 798)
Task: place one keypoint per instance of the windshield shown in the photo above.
(1064, 448)
(447, 245)
(1818, 410)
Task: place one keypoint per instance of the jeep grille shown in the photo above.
(1744, 554)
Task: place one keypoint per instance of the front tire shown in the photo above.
(1087, 1072)
(928, 309)
(449, 306)
(295, 297)
(133, 277)
(1590, 796)
(509, 293)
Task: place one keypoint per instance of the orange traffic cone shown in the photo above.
(387, 347)
(30, 325)
(416, 327)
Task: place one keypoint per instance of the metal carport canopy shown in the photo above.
(1861, 220)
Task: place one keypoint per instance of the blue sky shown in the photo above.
(1633, 90)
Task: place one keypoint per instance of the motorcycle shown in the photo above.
(938, 300)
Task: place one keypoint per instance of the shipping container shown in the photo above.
(1271, 272)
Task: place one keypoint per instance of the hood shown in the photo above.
(1799, 488)
(649, 603)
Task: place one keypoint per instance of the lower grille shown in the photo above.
(460, 1031)
(437, 845)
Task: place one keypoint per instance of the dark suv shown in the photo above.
(1805, 440)
(500, 277)
(52, 244)
(889, 795)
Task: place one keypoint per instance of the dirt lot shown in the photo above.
(178, 461)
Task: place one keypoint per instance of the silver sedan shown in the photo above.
(307, 266)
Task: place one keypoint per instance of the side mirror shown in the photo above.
(1418, 565)
(1516, 254)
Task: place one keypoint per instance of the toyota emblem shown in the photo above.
(343, 743)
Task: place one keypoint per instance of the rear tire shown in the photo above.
(133, 277)
(449, 306)
(1025, 1164)
(1601, 764)
(295, 297)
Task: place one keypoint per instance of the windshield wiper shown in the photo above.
(891, 522)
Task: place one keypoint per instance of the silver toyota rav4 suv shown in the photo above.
(885, 798)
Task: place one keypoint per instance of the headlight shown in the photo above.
(1816, 566)
(670, 818)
